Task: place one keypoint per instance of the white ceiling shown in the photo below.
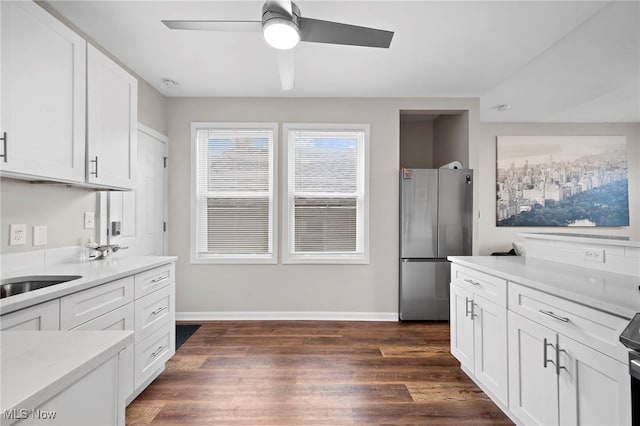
(558, 61)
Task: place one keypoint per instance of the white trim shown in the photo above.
(193, 251)
(325, 258)
(297, 316)
(153, 133)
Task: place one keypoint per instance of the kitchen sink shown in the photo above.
(18, 285)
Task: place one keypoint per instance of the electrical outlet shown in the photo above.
(17, 234)
(39, 235)
(594, 255)
(89, 220)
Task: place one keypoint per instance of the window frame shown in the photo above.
(271, 258)
(288, 255)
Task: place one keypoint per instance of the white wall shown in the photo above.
(361, 289)
(492, 238)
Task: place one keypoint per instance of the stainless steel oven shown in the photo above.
(630, 337)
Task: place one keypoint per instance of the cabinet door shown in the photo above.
(43, 95)
(490, 349)
(461, 325)
(594, 389)
(533, 389)
(112, 102)
(118, 319)
(45, 316)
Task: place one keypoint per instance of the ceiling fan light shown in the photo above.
(280, 33)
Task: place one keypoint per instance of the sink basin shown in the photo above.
(18, 285)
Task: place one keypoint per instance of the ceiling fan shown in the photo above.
(283, 26)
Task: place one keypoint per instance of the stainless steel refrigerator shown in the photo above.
(435, 222)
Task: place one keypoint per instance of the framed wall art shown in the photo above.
(562, 181)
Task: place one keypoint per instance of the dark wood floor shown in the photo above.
(314, 373)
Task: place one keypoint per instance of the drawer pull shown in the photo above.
(471, 281)
(545, 359)
(158, 351)
(554, 316)
(157, 311)
(157, 280)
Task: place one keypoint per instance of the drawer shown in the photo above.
(152, 352)
(488, 286)
(154, 310)
(590, 326)
(150, 281)
(78, 308)
(45, 316)
(118, 319)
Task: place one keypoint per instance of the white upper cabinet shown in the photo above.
(112, 99)
(43, 96)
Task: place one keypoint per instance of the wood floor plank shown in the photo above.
(314, 373)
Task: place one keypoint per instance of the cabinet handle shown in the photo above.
(558, 366)
(158, 351)
(157, 280)
(473, 310)
(554, 316)
(546, 361)
(471, 281)
(96, 172)
(466, 307)
(157, 311)
(4, 141)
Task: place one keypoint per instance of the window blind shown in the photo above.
(326, 191)
(234, 191)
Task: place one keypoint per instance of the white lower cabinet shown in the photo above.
(555, 380)
(544, 359)
(533, 388)
(478, 339)
(118, 319)
(152, 353)
(45, 316)
(112, 306)
(71, 406)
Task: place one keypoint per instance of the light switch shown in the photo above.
(89, 220)
(17, 234)
(39, 235)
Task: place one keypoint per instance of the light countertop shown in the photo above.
(37, 365)
(614, 293)
(93, 273)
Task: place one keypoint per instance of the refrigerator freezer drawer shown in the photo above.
(424, 289)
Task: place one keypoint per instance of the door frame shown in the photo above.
(104, 219)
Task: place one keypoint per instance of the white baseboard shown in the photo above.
(305, 316)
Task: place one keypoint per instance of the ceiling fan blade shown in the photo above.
(318, 31)
(283, 6)
(285, 68)
(238, 26)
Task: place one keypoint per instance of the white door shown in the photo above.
(594, 389)
(141, 212)
(112, 108)
(461, 325)
(533, 388)
(43, 95)
(490, 334)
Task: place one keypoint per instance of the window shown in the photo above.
(327, 184)
(233, 195)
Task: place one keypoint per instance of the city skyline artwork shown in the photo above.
(561, 181)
